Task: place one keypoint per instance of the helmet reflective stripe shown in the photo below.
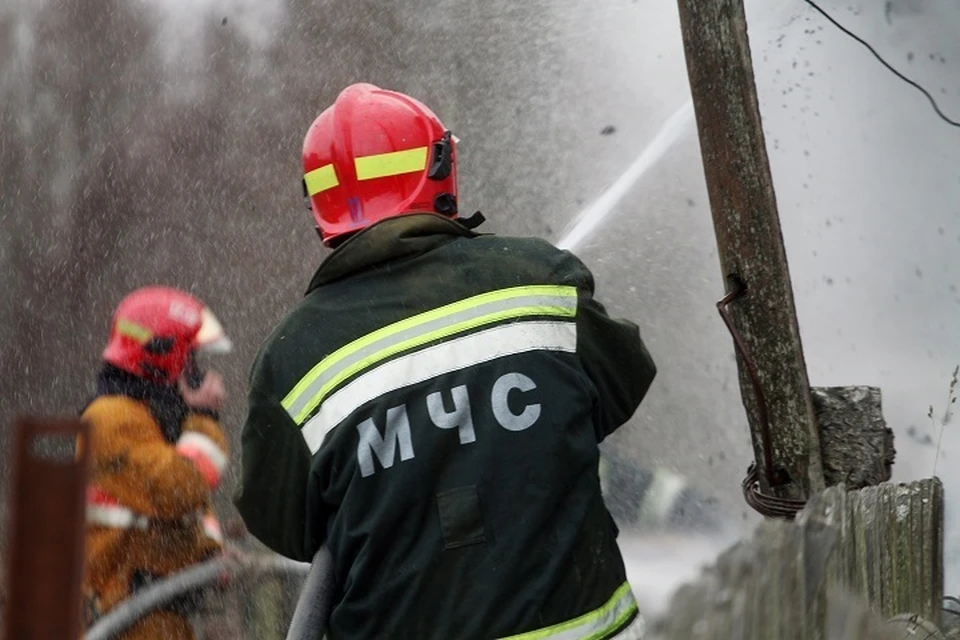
(613, 616)
(391, 164)
(133, 330)
(319, 180)
(381, 165)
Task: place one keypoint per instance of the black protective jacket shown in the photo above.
(431, 411)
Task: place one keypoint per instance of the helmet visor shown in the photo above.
(211, 338)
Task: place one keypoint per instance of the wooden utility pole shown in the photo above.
(750, 245)
(854, 543)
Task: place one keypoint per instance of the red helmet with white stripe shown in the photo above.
(155, 329)
(376, 154)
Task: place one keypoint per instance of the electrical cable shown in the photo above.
(912, 83)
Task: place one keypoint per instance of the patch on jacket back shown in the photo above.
(461, 520)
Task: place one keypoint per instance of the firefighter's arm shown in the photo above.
(205, 445)
(611, 352)
(154, 479)
(272, 495)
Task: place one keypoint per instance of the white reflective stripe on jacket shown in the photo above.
(115, 517)
(103, 510)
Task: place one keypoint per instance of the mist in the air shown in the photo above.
(159, 141)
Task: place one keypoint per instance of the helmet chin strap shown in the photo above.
(475, 220)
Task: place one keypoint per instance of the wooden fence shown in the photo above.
(855, 565)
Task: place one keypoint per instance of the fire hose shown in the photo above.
(313, 606)
(215, 572)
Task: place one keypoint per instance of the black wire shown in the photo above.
(933, 102)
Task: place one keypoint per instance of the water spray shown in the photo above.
(591, 217)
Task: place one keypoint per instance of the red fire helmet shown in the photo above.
(156, 328)
(376, 154)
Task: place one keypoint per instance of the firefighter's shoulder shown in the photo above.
(114, 410)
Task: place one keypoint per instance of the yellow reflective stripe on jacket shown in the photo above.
(437, 324)
(597, 624)
(391, 164)
(446, 356)
(321, 179)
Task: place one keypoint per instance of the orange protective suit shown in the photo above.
(148, 509)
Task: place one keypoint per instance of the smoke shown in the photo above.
(658, 564)
(258, 21)
(181, 37)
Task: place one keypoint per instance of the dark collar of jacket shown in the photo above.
(164, 401)
(399, 237)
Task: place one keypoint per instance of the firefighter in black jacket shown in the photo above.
(431, 409)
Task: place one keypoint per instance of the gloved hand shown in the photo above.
(209, 459)
(209, 397)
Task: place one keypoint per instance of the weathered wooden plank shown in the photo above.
(772, 586)
(891, 544)
(758, 605)
(911, 626)
(851, 619)
(850, 560)
(856, 445)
